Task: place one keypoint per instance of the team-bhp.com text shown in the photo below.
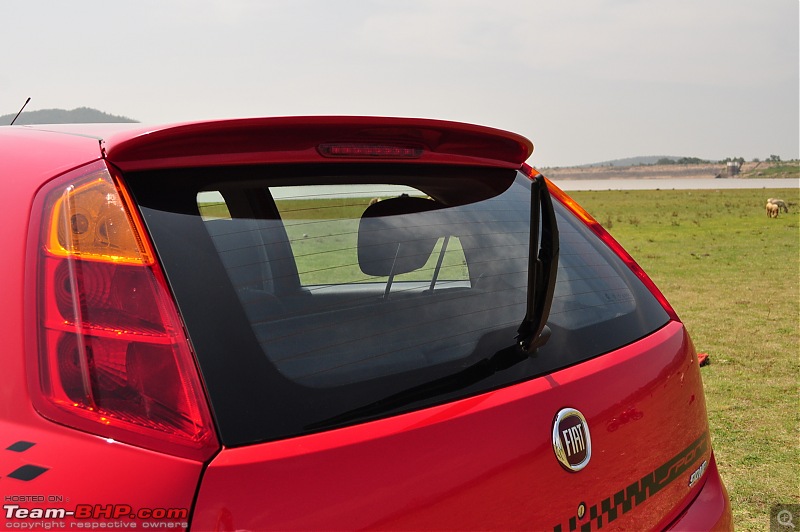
(94, 516)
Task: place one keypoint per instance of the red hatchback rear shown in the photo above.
(332, 323)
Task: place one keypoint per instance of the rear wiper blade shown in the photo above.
(482, 369)
(533, 332)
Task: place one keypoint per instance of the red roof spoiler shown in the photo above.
(298, 140)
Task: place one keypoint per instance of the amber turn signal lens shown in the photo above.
(89, 221)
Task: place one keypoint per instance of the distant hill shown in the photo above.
(643, 160)
(81, 115)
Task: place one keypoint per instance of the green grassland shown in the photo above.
(732, 275)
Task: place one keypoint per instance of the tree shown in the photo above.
(739, 160)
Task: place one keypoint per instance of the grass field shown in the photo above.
(732, 275)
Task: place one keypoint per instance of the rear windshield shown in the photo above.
(321, 296)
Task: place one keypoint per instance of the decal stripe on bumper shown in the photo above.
(623, 501)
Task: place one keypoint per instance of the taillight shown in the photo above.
(609, 240)
(372, 151)
(111, 357)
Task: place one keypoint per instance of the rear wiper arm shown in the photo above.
(542, 267)
(482, 369)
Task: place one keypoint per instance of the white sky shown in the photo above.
(586, 81)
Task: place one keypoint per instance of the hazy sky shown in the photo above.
(585, 81)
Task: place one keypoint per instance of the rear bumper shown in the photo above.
(711, 509)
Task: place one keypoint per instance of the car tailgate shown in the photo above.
(488, 461)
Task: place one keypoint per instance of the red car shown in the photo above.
(331, 323)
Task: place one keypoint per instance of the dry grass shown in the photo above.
(732, 275)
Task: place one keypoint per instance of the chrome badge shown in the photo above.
(571, 440)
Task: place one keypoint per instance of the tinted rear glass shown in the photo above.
(321, 296)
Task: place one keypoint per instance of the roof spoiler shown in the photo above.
(309, 140)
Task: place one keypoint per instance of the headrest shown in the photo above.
(397, 236)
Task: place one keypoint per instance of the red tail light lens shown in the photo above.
(609, 240)
(111, 358)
